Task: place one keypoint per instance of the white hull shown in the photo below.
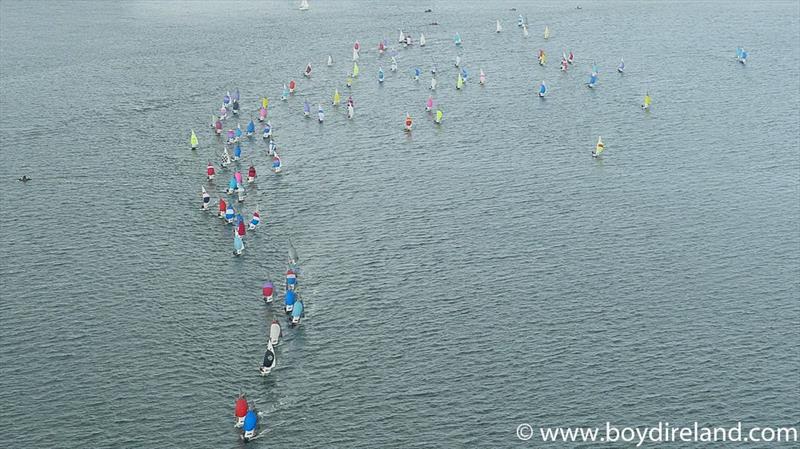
(268, 299)
(249, 435)
(289, 308)
(264, 371)
(295, 320)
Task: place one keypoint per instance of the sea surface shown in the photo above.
(459, 280)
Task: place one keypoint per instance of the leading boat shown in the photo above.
(269, 360)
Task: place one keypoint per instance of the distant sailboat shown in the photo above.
(520, 21)
(381, 47)
(292, 86)
(380, 74)
(546, 32)
(457, 39)
(350, 111)
(542, 57)
(330, 60)
(482, 78)
(459, 82)
(599, 148)
(409, 122)
(285, 94)
(393, 68)
(238, 244)
(320, 114)
(355, 55)
(251, 128)
(498, 28)
(422, 40)
(355, 70)
(193, 140)
(647, 101)
(402, 37)
(741, 55)
(525, 30)
(433, 83)
(429, 103)
(439, 116)
(592, 80)
(277, 164)
(458, 61)
(306, 109)
(304, 5)
(307, 72)
(571, 57)
(336, 97)
(621, 66)
(543, 89)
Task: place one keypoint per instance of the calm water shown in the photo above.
(458, 281)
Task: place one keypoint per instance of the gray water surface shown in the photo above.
(458, 281)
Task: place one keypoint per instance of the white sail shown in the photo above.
(304, 5)
(421, 40)
(499, 28)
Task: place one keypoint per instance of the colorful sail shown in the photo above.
(459, 81)
(647, 101)
(439, 115)
(355, 70)
(543, 89)
(592, 80)
(599, 148)
(193, 140)
(457, 39)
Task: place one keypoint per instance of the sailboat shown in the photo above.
(304, 5)
(525, 30)
(542, 57)
(380, 74)
(206, 198)
(464, 73)
(543, 89)
(742, 55)
(251, 128)
(274, 331)
(210, 171)
(320, 114)
(330, 60)
(393, 68)
(269, 360)
(621, 66)
(297, 313)
(238, 244)
(355, 70)
(250, 425)
(355, 55)
(381, 47)
(193, 140)
(255, 221)
(306, 109)
(520, 21)
(482, 78)
(564, 64)
(240, 411)
(422, 40)
(409, 122)
(350, 110)
(498, 28)
(292, 86)
(546, 32)
(357, 46)
(599, 148)
(459, 82)
(336, 97)
(592, 80)
(417, 73)
(402, 37)
(458, 61)
(429, 103)
(226, 158)
(457, 39)
(439, 115)
(285, 94)
(276, 164)
(647, 101)
(433, 83)
(571, 57)
(307, 72)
